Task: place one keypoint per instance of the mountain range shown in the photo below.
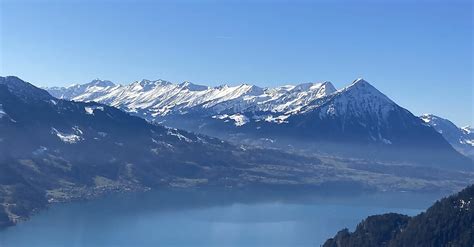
(57, 150)
(355, 121)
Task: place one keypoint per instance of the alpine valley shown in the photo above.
(85, 141)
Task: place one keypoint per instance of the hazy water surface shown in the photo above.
(204, 219)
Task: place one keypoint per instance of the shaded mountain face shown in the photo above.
(462, 139)
(356, 121)
(449, 222)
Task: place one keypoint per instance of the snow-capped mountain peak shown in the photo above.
(358, 99)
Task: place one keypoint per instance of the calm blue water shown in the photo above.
(184, 219)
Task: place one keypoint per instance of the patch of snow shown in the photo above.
(90, 109)
(426, 118)
(68, 138)
(467, 129)
(224, 116)
(175, 132)
(239, 119)
(464, 204)
(468, 142)
(386, 141)
(279, 119)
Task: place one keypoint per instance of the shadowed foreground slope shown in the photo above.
(449, 222)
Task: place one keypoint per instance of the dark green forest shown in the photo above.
(449, 222)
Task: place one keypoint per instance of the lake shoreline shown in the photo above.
(213, 206)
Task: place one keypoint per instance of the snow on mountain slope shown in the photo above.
(462, 139)
(159, 98)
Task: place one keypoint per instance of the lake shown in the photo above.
(177, 218)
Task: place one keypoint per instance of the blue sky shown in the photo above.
(419, 53)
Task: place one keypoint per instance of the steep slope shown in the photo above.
(449, 222)
(462, 139)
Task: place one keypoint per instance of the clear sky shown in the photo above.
(419, 53)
